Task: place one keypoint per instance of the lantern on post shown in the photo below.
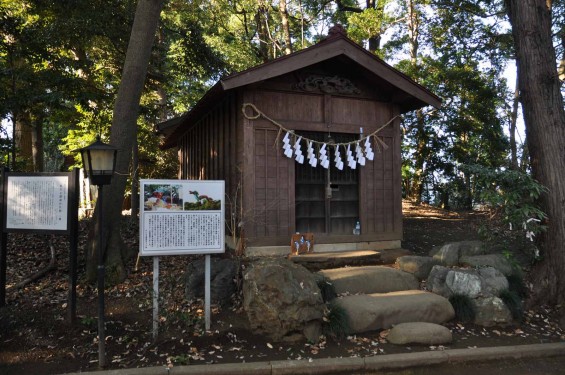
(99, 160)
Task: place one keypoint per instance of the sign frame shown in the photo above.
(28, 228)
(182, 203)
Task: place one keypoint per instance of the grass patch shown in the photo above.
(516, 284)
(463, 307)
(326, 288)
(514, 303)
(336, 322)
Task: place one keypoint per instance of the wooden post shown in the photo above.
(3, 240)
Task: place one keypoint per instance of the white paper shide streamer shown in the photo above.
(324, 160)
(337, 159)
(369, 154)
(355, 152)
(359, 154)
(286, 146)
(351, 162)
(312, 160)
(298, 152)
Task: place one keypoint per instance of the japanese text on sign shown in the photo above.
(38, 203)
(176, 231)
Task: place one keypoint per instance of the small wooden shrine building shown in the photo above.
(263, 130)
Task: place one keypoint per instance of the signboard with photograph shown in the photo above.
(181, 217)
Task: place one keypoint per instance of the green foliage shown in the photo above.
(336, 321)
(88, 321)
(463, 307)
(326, 288)
(183, 359)
(514, 303)
(512, 197)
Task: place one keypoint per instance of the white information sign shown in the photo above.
(37, 202)
(181, 217)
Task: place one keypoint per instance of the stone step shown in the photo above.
(318, 261)
(371, 312)
(370, 279)
(336, 259)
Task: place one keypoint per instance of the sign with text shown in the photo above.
(37, 203)
(181, 217)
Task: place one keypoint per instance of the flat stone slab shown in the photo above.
(390, 256)
(370, 279)
(319, 261)
(371, 312)
(419, 333)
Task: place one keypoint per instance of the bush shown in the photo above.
(336, 322)
(513, 302)
(463, 306)
(516, 284)
(512, 197)
(326, 288)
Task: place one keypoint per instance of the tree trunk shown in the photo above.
(561, 68)
(23, 143)
(413, 23)
(263, 32)
(420, 155)
(123, 133)
(544, 116)
(37, 145)
(421, 136)
(512, 130)
(285, 27)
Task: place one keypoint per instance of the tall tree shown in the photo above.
(544, 116)
(124, 131)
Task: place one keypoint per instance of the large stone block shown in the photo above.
(281, 298)
(383, 310)
(466, 282)
(419, 266)
(450, 253)
(370, 279)
(436, 280)
(491, 311)
(222, 280)
(497, 261)
(474, 283)
(419, 333)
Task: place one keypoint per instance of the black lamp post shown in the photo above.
(99, 160)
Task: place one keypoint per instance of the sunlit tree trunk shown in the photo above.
(421, 136)
(263, 31)
(544, 116)
(285, 27)
(37, 145)
(512, 130)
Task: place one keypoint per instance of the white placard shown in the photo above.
(181, 217)
(37, 202)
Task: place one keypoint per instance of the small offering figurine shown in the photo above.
(301, 243)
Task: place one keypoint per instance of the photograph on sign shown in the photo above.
(37, 202)
(181, 217)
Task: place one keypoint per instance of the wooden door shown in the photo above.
(327, 200)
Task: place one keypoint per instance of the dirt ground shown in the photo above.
(36, 339)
